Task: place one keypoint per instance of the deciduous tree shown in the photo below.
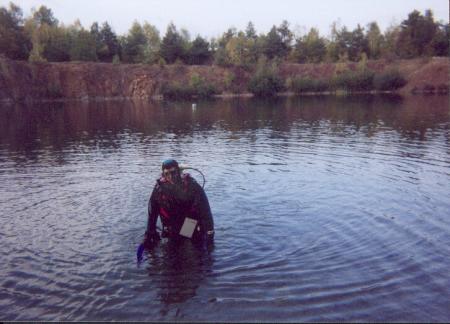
(13, 41)
(82, 43)
(134, 44)
(375, 40)
(151, 52)
(310, 48)
(45, 15)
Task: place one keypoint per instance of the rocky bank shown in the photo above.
(23, 81)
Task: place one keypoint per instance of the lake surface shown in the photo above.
(325, 208)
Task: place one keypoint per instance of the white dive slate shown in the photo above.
(188, 227)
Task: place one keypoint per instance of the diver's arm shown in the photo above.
(153, 211)
(201, 203)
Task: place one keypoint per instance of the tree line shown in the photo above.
(41, 37)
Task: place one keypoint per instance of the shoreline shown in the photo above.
(21, 81)
(225, 96)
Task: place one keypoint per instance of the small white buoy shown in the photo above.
(194, 105)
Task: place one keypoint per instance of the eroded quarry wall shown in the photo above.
(22, 81)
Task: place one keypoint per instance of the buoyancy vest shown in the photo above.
(176, 202)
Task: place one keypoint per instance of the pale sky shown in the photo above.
(210, 18)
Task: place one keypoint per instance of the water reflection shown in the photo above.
(57, 124)
(178, 269)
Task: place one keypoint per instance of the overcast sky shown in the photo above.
(210, 18)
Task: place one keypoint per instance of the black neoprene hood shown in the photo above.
(170, 163)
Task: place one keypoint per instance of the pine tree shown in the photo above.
(199, 52)
(172, 45)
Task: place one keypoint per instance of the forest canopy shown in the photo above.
(41, 37)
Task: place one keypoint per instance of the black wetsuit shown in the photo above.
(173, 203)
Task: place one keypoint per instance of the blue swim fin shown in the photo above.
(140, 252)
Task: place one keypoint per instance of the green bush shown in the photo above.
(265, 84)
(197, 87)
(228, 80)
(196, 81)
(176, 90)
(205, 91)
(354, 81)
(265, 81)
(389, 80)
(300, 85)
(162, 62)
(201, 88)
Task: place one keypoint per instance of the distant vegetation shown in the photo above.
(389, 80)
(265, 81)
(302, 85)
(197, 87)
(41, 37)
(349, 81)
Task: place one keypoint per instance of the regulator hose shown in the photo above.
(190, 168)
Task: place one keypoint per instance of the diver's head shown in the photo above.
(171, 171)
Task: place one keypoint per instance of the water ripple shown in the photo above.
(323, 212)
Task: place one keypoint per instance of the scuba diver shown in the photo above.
(182, 206)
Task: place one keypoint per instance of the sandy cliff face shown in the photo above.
(20, 81)
(420, 73)
(23, 81)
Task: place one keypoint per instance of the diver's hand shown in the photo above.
(151, 238)
(210, 236)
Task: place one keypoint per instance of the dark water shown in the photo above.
(326, 209)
